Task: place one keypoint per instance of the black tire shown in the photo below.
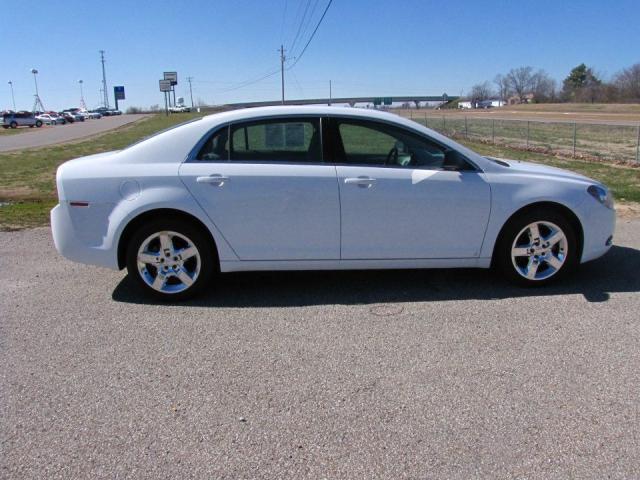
(13, 125)
(38, 123)
(514, 269)
(201, 241)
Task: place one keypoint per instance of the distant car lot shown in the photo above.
(60, 134)
(397, 374)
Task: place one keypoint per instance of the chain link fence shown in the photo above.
(578, 140)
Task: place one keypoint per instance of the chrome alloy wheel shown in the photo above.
(539, 250)
(168, 262)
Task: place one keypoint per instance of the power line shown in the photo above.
(312, 35)
(304, 15)
(308, 22)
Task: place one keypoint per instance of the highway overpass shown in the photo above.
(418, 100)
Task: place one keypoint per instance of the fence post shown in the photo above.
(444, 124)
(466, 128)
(411, 114)
(638, 145)
(528, 122)
(493, 131)
(426, 122)
(574, 140)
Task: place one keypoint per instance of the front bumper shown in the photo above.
(599, 226)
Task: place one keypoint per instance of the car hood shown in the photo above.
(518, 166)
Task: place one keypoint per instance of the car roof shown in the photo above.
(283, 110)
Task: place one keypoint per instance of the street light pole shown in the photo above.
(82, 104)
(37, 103)
(13, 99)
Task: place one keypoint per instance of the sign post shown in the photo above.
(173, 78)
(165, 87)
(118, 93)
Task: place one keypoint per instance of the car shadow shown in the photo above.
(616, 272)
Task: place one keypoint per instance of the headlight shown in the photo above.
(601, 194)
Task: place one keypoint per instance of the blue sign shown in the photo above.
(118, 92)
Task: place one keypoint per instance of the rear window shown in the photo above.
(294, 140)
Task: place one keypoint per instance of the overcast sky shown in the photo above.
(374, 47)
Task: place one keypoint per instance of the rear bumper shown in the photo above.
(79, 236)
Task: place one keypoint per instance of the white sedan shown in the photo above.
(309, 188)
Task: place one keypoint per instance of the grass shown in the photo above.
(27, 178)
(13, 131)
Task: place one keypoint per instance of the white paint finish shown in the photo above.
(407, 213)
(290, 216)
(271, 211)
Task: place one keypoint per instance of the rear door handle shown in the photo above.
(215, 179)
(364, 182)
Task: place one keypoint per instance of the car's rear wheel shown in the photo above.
(38, 124)
(170, 260)
(537, 247)
(13, 125)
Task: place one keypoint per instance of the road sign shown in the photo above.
(377, 101)
(118, 92)
(387, 100)
(165, 85)
(172, 76)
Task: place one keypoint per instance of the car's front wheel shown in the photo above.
(38, 124)
(170, 260)
(13, 125)
(537, 247)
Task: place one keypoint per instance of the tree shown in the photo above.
(582, 85)
(480, 92)
(627, 83)
(543, 87)
(520, 81)
(503, 89)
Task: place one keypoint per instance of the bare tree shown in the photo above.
(520, 81)
(503, 89)
(627, 83)
(543, 87)
(480, 92)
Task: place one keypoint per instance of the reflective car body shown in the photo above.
(316, 212)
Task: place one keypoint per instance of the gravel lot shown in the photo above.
(51, 135)
(433, 374)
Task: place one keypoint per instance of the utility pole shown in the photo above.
(13, 99)
(104, 81)
(189, 79)
(282, 58)
(330, 93)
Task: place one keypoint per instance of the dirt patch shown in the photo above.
(628, 210)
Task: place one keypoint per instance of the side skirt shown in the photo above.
(261, 265)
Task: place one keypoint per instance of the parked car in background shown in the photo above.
(92, 115)
(49, 119)
(68, 117)
(105, 112)
(306, 188)
(20, 119)
(77, 116)
(179, 109)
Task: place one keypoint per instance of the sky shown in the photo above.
(365, 47)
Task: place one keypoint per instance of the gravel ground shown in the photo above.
(433, 374)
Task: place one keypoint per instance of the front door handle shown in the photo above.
(364, 182)
(215, 179)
